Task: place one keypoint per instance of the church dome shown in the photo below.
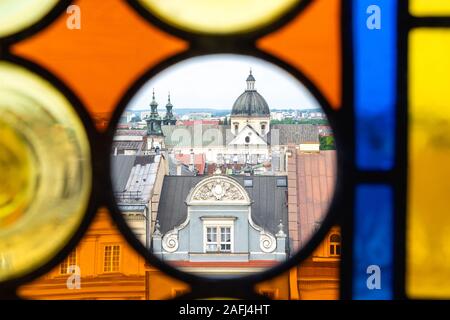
(250, 103)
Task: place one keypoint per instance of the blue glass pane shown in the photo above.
(375, 52)
(373, 243)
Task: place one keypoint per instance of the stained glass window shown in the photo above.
(380, 73)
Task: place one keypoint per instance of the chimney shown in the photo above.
(191, 161)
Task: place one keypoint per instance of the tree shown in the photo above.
(327, 143)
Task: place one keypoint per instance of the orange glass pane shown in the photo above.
(312, 43)
(103, 58)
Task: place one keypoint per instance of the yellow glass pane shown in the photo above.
(429, 7)
(428, 220)
(16, 15)
(45, 171)
(219, 16)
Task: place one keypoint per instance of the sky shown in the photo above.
(215, 82)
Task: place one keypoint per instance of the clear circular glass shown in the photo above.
(45, 168)
(16, 15)
(223, 165)
(219, 16)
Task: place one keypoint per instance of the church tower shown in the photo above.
(155, 137)
(154, 120)
(169, 118)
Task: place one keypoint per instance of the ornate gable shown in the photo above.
(218, 189)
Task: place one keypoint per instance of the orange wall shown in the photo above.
(317, 278)
(128, 283)
(161, 286)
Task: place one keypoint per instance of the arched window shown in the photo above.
(335, 245)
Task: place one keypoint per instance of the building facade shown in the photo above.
(221, 221)
(103, 266)
(137, 183)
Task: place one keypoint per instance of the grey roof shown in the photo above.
(294, 134)
(144, 160)
(127, 145)
(269, 202)
(250, 103)
(131, 132)
(121, 166)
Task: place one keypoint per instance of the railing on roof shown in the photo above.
(129, 197)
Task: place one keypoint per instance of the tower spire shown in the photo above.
(169, 119)
(154, 120)
(154, 104)
(169, 105)
(250, 81)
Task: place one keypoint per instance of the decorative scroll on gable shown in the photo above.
(216, 189)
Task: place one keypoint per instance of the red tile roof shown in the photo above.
(199, 161)
(311, 184)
